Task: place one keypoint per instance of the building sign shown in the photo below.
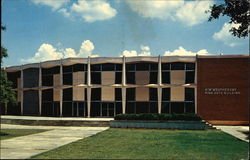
(221, 91)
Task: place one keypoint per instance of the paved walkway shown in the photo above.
(241, 132)
(26, 146)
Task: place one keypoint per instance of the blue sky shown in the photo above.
(40, 30)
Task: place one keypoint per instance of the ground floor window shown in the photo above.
(105, 108)
(177, 107)
(133, 107)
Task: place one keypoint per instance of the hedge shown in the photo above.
(162, 116)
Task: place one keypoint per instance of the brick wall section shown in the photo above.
(223, 73)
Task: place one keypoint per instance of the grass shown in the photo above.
(153, 144)
(11, 133)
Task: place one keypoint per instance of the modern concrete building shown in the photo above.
(216, 87)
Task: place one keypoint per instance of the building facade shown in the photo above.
(212, 86)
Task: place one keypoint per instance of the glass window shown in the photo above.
(79, 67)
(95, 110)
(118, 77)
(47, 95)
(47, 80)
(118, 94)
(96, 77)
(142, 66)
(190, 76)
(67, 109)
(142, 107)
(190, 66)
(154, 66)
(67, 94)
(118, 67)
(153, 78)
(190, 107)
(177, 107)
(165, 77)
(153, 94)
(130, 77)
(130, 107)
(165, 107)
(165, 66)
(67, 79)
(153, 108)
(130, 94)
(67, 69)
(108, 67)
(130, 67)
(118, 108)
(95, 67)
(96, 94)
(54, 70)
(165, 94)
(189, 94)
(177, 66)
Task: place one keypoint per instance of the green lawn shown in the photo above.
(11, 133)
(153, 144)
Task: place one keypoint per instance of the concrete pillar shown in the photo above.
(89, 87)
(123, 85)
(123, 100)
(159, 89)
(40, 90)
(61, 90)
(21, 87)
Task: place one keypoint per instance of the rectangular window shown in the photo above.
(96, 94)
(165, 94)
(47, 95)
(130, 107)
(47, 80)
(118, 77)
(177, 107)
(190, 66)
(177, 66)
(189, 94)
(165, 77)
(165, 66)
(142, 107)
(165, 107)
(118, 94)
(67, 94)
(130, 94)
(67, 79)
(96, 77)
(142, 66)
(189, 107)
(118, 108)
(190, 76)
(130, 77)
(153, 78)
(153, 66)
(67, 69)
(153, 108)
(53, 70)
(13, 77)
(95, 67)
(130, 67)
(118, 67)
(108, 67)
(79, 67)
(153, 94)
(67, 109)
(95, 110)
(30, 77)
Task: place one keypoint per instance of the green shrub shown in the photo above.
(162, 117)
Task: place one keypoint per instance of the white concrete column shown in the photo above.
(123, 85)
(21, 92)
(159, 89)
(40, 90)
(123, 100)
(61, 90)
(89, 87)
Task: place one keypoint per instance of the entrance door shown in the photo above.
(107, 109)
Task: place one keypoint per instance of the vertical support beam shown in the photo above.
(21, 92)
(40, 90)
(195, 81)
(159, 89)
(61, 90)
(123, 100)
(89, 88)
(123, 85)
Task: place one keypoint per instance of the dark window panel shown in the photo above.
(108, 67)
(118, 108)
(118, 77)
(190, 107)
(67, 109)
(47, 95)
(189, 94)
(130, 67)
(165, 106)
(154, 66)
(153, 94)
(53, 70)
(190, 66)
(153, 78)
(67, 69)
(67, 94)
(130, 77)
(165, 66)
(12, 109)
(177, 107)
(130, 107)
(108, 109)
(142, 66)
(67, 79)
(153, 108)
(118, 94)
(118, 67)
(190, 76)
(30, 77)
(178, 66)
(47, 109)
(56, 109)
(165, 77)
(96, 77)
(79, 67)
(142, 107)
(47, 80)
(96, 94)
(95, 110)
(30, 102)
(130, 94)
(95, 67)
(165, 94)
(12, 76)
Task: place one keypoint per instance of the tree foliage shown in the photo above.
(239, 13)
(6, 93)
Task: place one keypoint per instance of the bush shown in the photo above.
(162, 116)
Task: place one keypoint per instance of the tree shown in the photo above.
(7, 95)
(238, 11)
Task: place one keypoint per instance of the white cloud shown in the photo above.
(183, 52)
(48, 52)
(226, 37)
(64, 12)
(188, 12)
(192, 13)
(92, 11)
(54, 4)
(145, 51)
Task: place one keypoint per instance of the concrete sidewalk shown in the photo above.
(240, 132)
(26, 146)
